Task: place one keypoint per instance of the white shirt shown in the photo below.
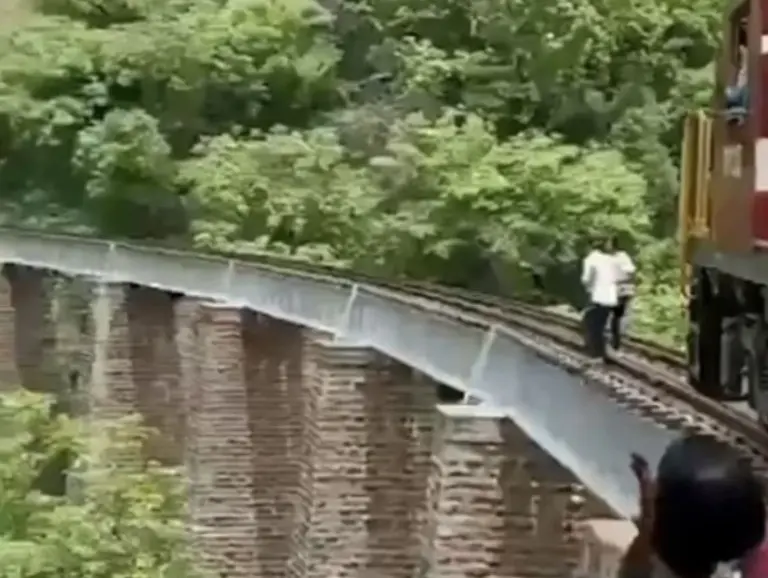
(600, 275)
(626, 268)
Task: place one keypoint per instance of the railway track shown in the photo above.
(667, 357)
(647, 381)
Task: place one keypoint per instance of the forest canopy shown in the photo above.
(474, 143)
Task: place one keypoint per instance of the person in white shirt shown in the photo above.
(600, 278)
(626, 284)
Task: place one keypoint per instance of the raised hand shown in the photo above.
(637, 560)
(647, 487)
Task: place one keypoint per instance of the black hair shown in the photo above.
(709, 506)
(601, 241)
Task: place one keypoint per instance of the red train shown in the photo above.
(724, 218)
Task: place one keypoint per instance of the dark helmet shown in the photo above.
(709, 506)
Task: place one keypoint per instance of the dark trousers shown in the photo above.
(617, 314)
(595, 320)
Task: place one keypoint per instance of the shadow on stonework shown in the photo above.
(541, 507)
(272, 366)
(398, 420)
(34, 329)
(155, 368)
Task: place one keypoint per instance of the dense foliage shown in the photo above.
(471, 142)
(116, 522)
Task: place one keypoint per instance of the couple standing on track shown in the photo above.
(608, 276)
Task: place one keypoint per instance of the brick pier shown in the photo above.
(306, 457)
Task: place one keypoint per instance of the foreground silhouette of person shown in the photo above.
(704, 509)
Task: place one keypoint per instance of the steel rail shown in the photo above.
(664, 382)
(452, 340)
(656, 392)
(640, 346)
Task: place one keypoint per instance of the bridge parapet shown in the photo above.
(307, 454)
(454, 345)
(153, 347)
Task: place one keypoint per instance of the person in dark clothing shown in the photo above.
(595, 320)
(704, 508)
(709, 507)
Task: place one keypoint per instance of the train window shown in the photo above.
(737, 76)
(739, 52)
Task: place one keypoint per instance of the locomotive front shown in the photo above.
(723, 218)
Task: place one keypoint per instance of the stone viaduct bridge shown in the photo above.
(329, 429)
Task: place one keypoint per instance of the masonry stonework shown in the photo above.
(330, 526)
(27, 330)
(489, 515)
(32, 298)
(155, 369)
(74, 339)
(272, 352)
(222, 512)
(305, 457)
(189, 347)
(9, 375)
(112, 392)
(399, 418)
(366, 437)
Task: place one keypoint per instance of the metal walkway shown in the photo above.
(582, 429)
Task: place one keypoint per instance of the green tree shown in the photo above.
(99, 100)
(472, 143)
(118, 522)
(440, 198)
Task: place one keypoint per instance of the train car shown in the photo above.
(724, 220)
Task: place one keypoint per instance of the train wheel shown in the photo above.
(755, 336)
(704, 337)
(693, 337)
(735, 349)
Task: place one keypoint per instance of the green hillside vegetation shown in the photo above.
(118, 523)
(474, 143)
(481, 144)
